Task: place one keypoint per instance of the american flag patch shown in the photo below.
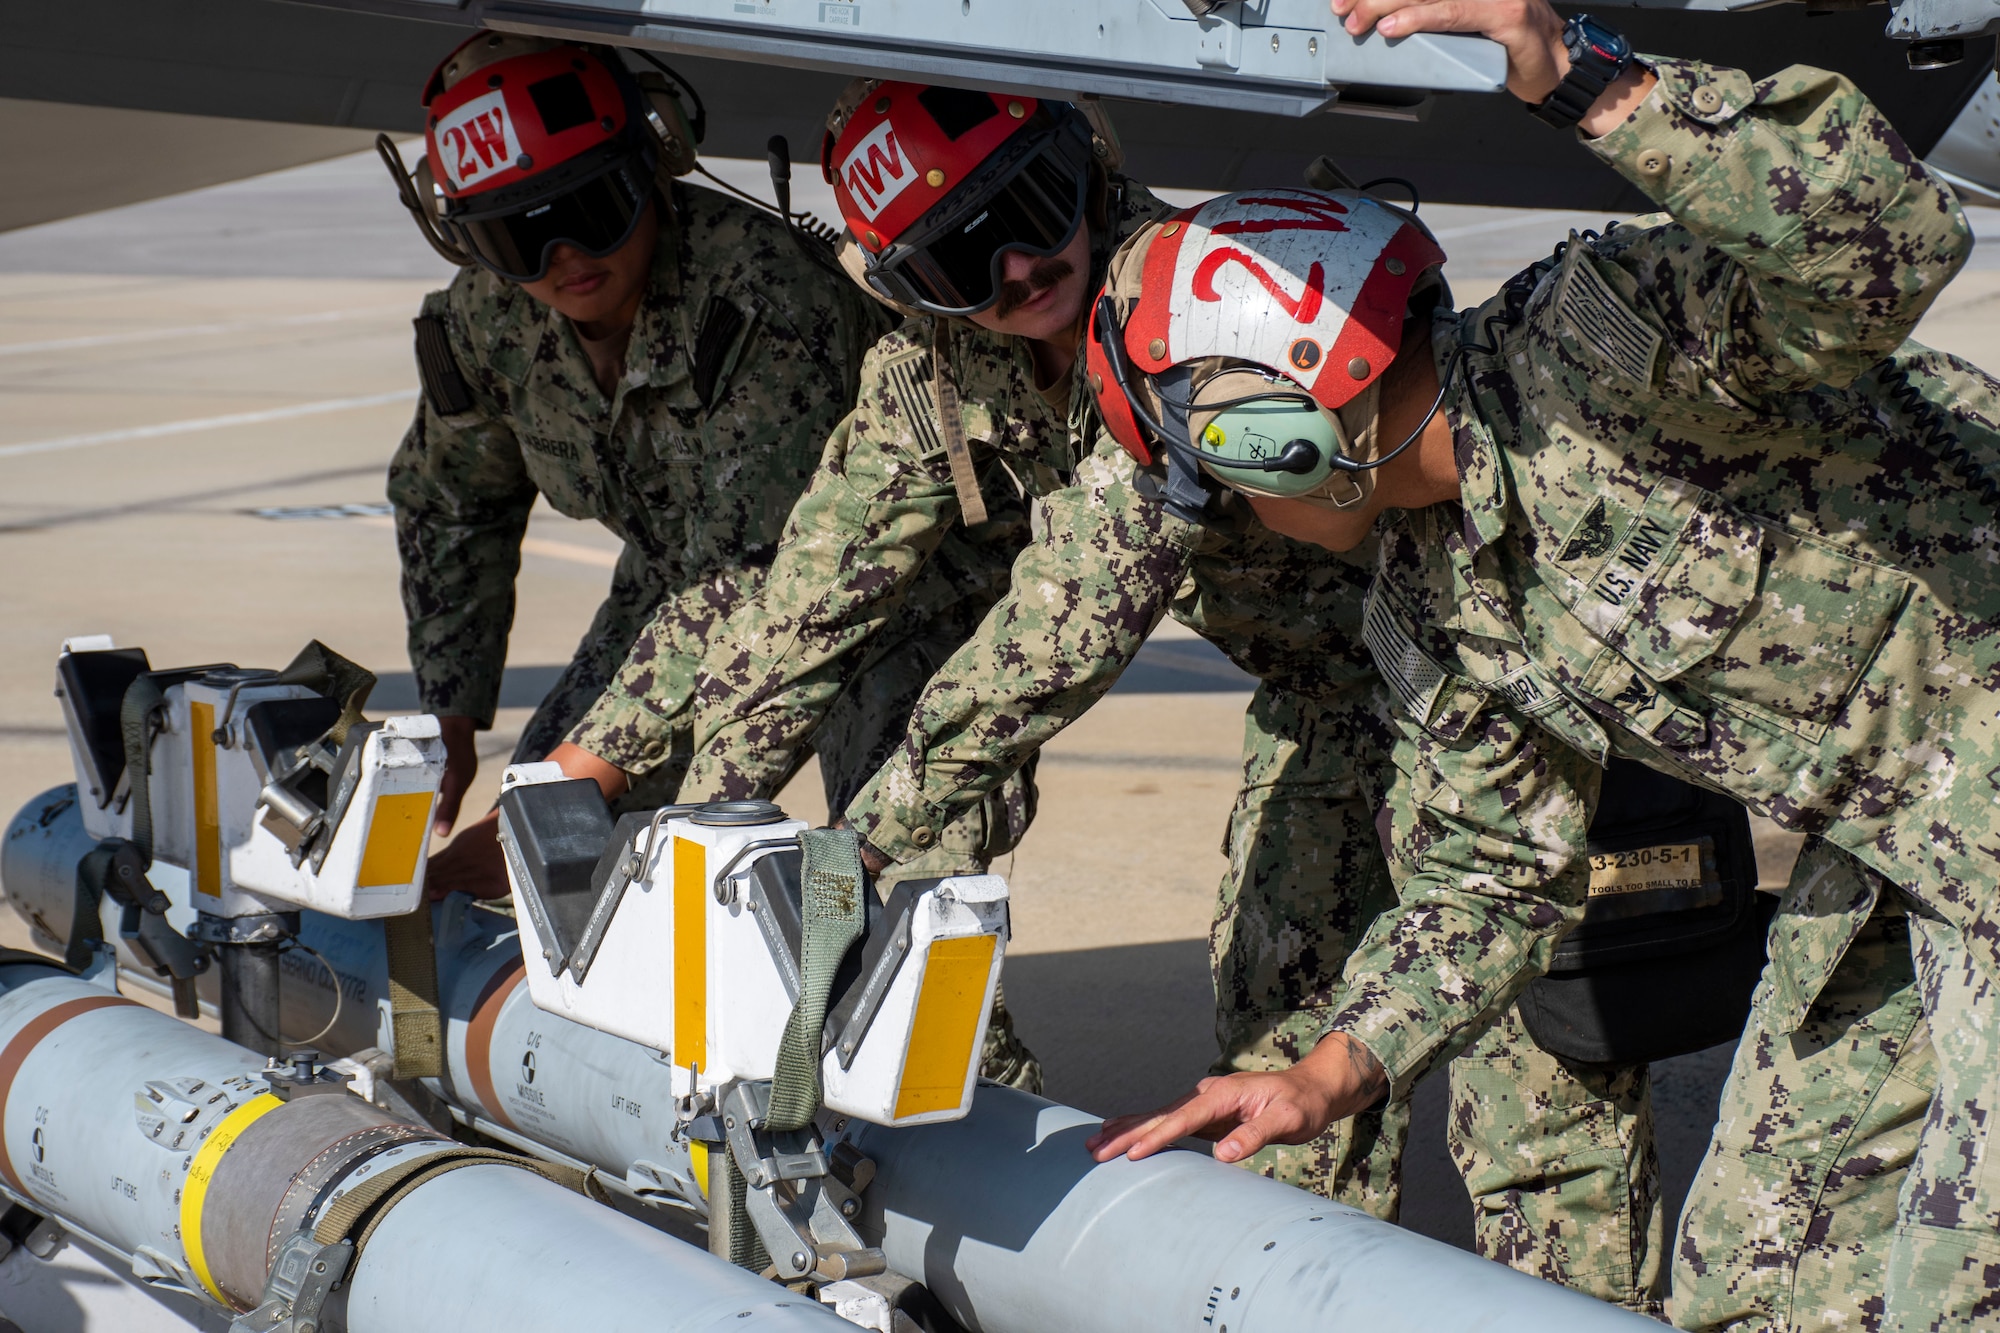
(910, 383)
(1606, 324)
(1413, 673)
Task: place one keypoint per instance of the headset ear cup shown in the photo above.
(677, 144)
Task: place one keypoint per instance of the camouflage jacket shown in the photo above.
(1107, 563)
(875, 540)
(1714, 518)
(744, 355)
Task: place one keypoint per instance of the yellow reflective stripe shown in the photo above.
(207, 825)
(698, 1164)
(194, 1190)
(690, 953)
(945, 1031)
(396, 834)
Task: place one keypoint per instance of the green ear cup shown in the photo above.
(1258, 431)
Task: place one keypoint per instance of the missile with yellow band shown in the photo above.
(211, 1173)
(1002, 1212)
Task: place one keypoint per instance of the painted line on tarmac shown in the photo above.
(167, 428)
(165, 503)
(195, 330)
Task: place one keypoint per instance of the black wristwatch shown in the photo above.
(1597, 56)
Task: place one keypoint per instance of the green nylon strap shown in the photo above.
(143, 697)
(730, 1233)
(86, 925)
(415, 1029)
(833, 912)
(322, 670)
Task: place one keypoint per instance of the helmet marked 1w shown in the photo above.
(936, 184)
(532, 144)
(1249, 336)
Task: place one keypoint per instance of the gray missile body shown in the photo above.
(1002, 1214)
(158, 1142)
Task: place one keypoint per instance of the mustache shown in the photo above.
(1044, 275)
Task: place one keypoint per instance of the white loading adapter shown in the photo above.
(244, 786)
(683, 930)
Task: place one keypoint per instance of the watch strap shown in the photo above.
(1590, 73)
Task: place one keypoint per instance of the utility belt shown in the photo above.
(1672, 939)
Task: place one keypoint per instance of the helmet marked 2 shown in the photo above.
(1245, 339)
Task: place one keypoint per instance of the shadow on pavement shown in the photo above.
(1164, 666)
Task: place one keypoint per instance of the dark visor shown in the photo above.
(596, 217)
(956, 270)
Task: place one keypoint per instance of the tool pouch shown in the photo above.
(1672, 938)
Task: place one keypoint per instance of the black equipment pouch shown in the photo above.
(444, 384)
(721, 325)
(1672, 939)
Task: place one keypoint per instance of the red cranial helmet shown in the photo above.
(530, 143)
(936, 184)
(1249, 336)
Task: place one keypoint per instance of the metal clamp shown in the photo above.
(254, 928)
(764, 1157)
(798, 1201)
(305, 1274)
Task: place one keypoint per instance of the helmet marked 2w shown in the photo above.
(936, 184)
(1246, 338)
(531, 143)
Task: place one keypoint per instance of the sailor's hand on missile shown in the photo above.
(461, 766)
(1337, 1079)
(1530, 30)
(474, 864)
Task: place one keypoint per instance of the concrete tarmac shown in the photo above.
(198, 396)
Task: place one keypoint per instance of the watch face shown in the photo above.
(1607, 45)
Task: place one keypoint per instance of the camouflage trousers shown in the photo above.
(1559, 1160)
(1849, 1184)
(864, 725)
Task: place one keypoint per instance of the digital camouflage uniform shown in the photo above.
(743, 357)
(1719, 517)
(1103, 564)
(877, 586)
(876, 583)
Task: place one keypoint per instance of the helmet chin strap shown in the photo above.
(1190, 489)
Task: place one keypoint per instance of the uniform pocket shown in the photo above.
(1750, 614)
